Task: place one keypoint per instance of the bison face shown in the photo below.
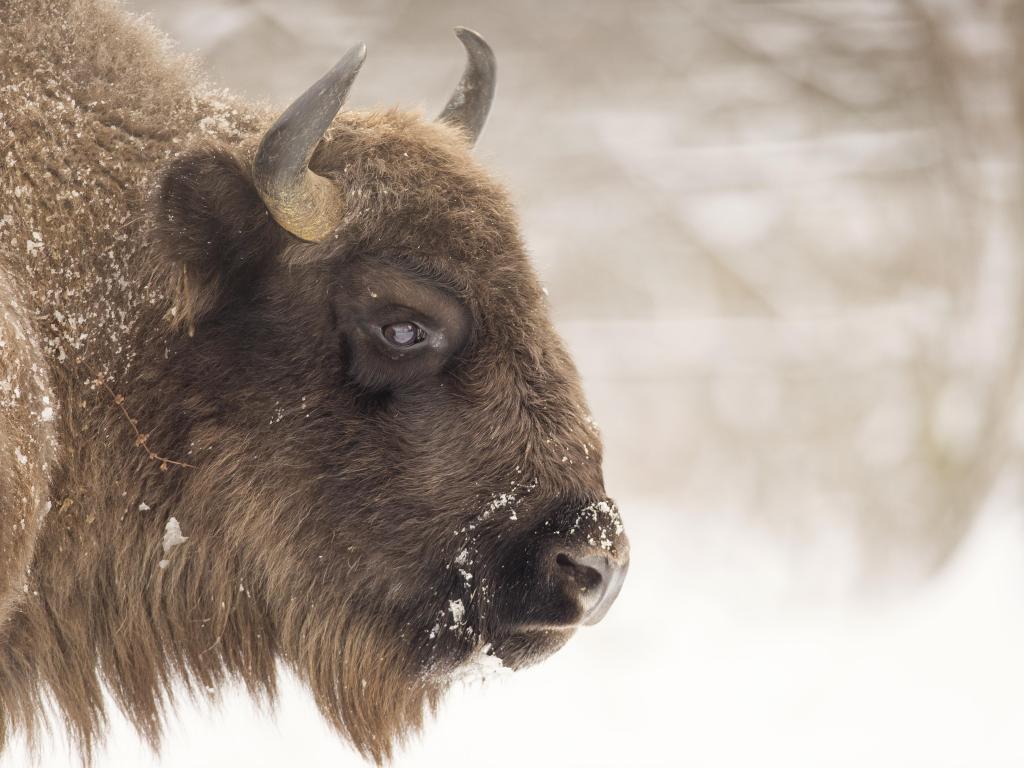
(392, 453)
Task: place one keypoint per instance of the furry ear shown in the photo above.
(211, 223)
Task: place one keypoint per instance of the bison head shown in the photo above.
(394, 466)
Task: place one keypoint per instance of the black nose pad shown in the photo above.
(596, 580)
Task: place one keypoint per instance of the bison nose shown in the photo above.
(595, 579)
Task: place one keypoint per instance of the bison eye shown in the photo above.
(403, 334)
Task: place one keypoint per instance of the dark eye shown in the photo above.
(403, 334)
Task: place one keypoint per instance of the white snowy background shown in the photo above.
(784, 241)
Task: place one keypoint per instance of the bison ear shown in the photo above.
(214, 230)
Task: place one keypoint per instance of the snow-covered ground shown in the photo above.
(722, 651)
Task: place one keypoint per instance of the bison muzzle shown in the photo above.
(273, 390)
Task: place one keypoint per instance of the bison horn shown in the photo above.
(304, 203)
(469, 105)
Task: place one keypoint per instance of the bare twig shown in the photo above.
(141, 438)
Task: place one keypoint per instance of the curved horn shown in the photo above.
(307, 205)
(469, 105)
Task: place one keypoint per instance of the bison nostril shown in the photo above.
(596, 578)
(585, 576)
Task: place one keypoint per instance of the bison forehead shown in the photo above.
(414, 192)
(397, 160)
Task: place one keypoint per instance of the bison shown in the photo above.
(272, 391)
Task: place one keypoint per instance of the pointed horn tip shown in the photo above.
(469, 36)
(351, 61)
(356, 54)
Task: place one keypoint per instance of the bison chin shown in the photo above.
(377, 670)
(369, 684)
(523, 649)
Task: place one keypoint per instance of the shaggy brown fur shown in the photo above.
(166, 349)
